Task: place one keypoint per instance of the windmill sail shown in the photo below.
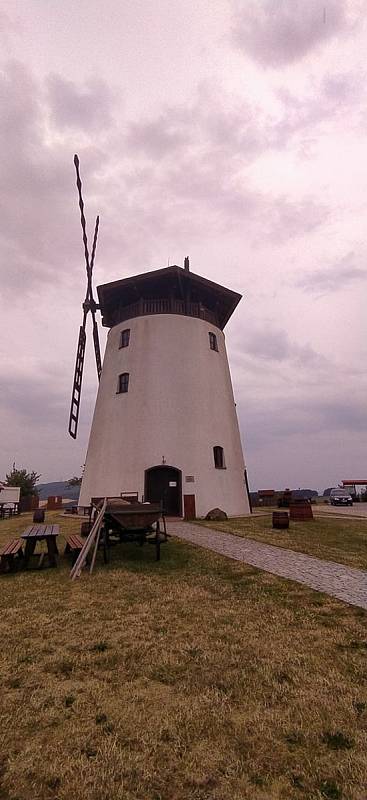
(88, 305)
(77, 384)
(97, 351)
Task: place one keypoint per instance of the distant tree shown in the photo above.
(25, 480)
(74, 481)
(305, 493)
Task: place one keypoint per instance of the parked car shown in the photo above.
(340, 497)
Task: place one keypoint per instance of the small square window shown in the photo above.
(123, 383)
(125, 338)
(213, 341)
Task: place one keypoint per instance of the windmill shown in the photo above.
(165, 425)
(89, 305)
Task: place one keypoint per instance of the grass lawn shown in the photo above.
(330, 538)
(196, 677)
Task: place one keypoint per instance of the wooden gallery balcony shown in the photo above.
(168, 305)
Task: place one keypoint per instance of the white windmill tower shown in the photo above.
(165, 423)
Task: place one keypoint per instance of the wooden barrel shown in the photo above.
(280, 519)
(301, 511)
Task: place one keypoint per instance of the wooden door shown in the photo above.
(163, 485)
(189, 506)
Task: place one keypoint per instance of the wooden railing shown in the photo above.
(164, 306)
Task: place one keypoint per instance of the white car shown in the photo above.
(340, 497)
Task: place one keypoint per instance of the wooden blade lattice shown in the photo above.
(77, 384)
(88, 305)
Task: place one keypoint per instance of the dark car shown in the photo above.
(340, 497)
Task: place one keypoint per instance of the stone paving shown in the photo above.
(345, 583)
(357, 510)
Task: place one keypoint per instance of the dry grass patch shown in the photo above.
(340, 540)
(196, 677)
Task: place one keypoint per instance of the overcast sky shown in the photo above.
(234, 132)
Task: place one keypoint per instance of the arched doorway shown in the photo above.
(163, 484)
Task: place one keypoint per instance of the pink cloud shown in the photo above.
(279, 32)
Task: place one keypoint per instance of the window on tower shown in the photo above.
(123, 383)
(218, 453)
(125, 338)
(213, 341)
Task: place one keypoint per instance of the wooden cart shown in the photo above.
(131, 522)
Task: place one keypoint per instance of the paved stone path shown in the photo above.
(357, 511)
(345, 583)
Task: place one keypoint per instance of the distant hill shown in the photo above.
(304, 493)
(297, 493)
(58, 488)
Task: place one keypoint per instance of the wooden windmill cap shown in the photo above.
(170, 290)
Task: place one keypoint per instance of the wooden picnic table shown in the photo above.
(39, 533)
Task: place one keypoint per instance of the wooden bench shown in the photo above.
(74, 545)
(10, 555)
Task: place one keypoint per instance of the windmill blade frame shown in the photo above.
(88, 305)
(93, 306)
(97, 349)
(77, 383)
